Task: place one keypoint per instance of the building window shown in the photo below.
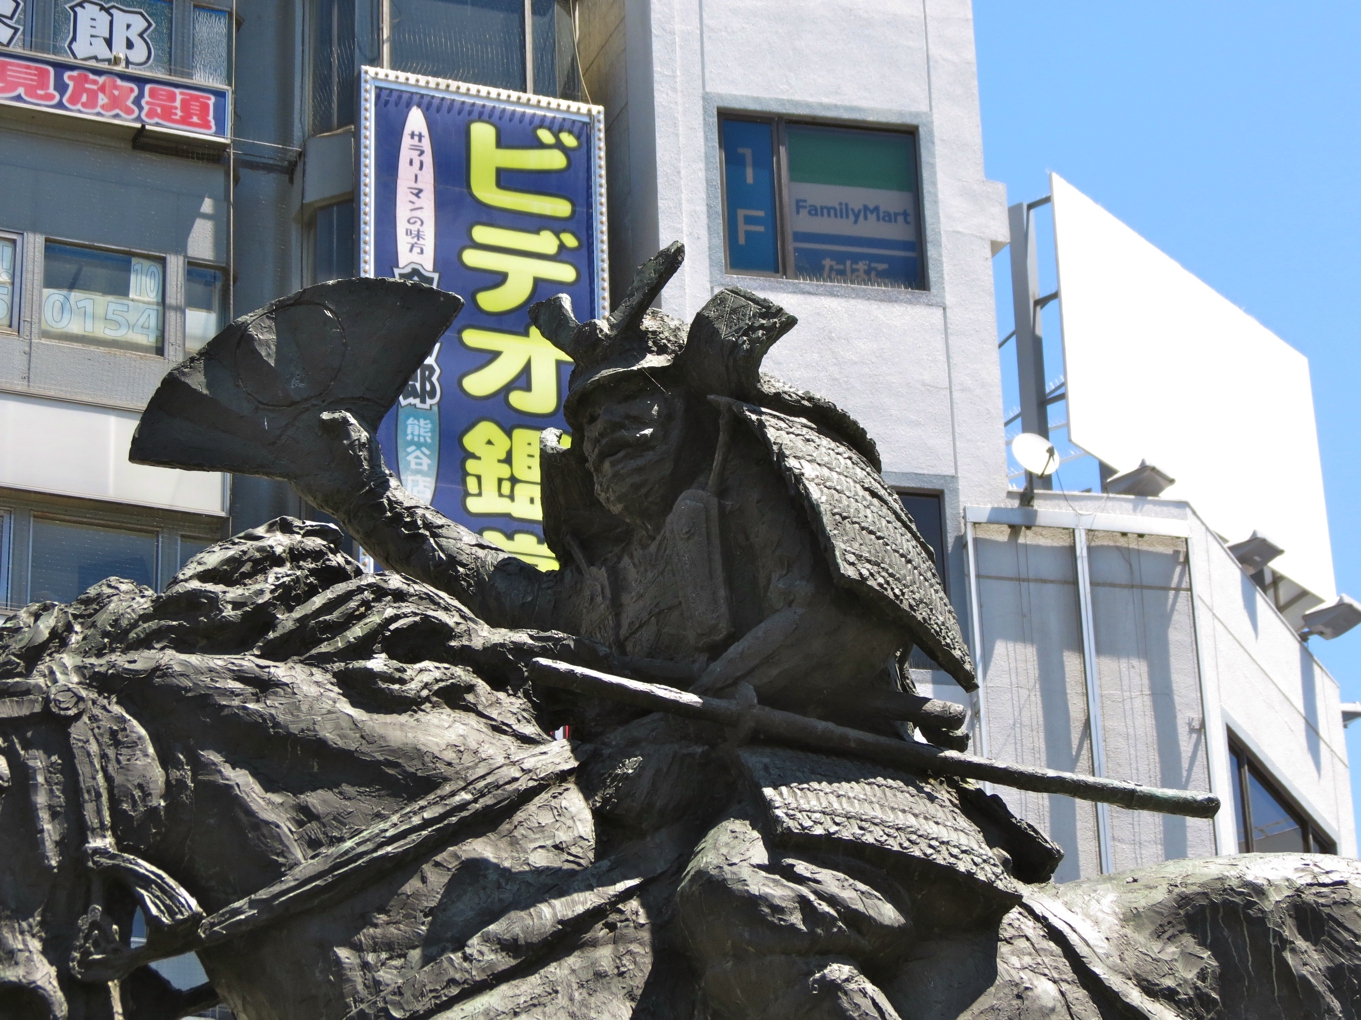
(6, 543)
(204, 306)
(212, 45)
(333, 242)
(331, 36)
(484, 42)
(189, 548)
(106, 298)
(1267, 821)
(54, 548)
(137, 31)
(555, 59)
(820, 202)
(68, 558)
(478, 41)
(9, 282)
(926, 513)
(12, 23)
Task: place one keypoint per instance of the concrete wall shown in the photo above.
(1136, 603)
(1270, 692)
(1034, 684)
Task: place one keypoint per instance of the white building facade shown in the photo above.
(1114, 634)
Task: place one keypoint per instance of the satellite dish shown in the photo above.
(1035, 453)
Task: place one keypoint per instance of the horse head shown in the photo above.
(243, 730)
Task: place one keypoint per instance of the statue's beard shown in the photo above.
(633, 479)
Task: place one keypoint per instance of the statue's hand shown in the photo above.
(348, 463)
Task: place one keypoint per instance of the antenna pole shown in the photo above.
(1025, 303)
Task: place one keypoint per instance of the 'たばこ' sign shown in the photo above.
(500, 197)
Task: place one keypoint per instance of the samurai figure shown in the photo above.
(734, 533)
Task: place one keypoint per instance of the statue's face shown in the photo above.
(631, 434)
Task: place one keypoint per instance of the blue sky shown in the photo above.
(1226, 134)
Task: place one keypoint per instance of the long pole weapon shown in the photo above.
(791, 728)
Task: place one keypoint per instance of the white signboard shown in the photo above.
(1164, 369)
(77, 450)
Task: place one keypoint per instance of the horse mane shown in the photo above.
(112, 711)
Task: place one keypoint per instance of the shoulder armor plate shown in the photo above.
(871, 543)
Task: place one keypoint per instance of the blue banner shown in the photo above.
(499, 197)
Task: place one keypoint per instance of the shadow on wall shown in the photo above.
(1034, 687)
(1250, 596)
(1145, 650)
(1309, 699)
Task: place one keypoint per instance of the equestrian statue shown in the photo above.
(342, 790)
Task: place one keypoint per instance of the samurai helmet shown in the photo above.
(633, 338)
(718, 355)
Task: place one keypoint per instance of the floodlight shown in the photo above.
(1145, 480)
(1255, 552)
(1035, 453)
(1332, 621)
(1351, 711)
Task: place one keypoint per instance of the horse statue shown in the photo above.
(353, 795)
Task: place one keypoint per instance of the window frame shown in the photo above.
(166, 261)
(83, 521)
(224, 313)
(785, 244)
(19, 507)
(16, 298)
(1245, 766)
(943, 564)
(530, 87)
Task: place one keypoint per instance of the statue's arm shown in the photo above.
(353, 486)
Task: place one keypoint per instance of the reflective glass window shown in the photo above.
(925, 510)
(212, 45)
(189, 548)
(68, 558)
(331, 41)
(105, 298)
(1267, 823)
(139, 30)
(1275, 829)
(204, 308)
(477, 41)
(6, 538)
(9, 275)
(12, 22)
(562, 43)
(333, 243)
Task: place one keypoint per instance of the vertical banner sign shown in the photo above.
(499, 197)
